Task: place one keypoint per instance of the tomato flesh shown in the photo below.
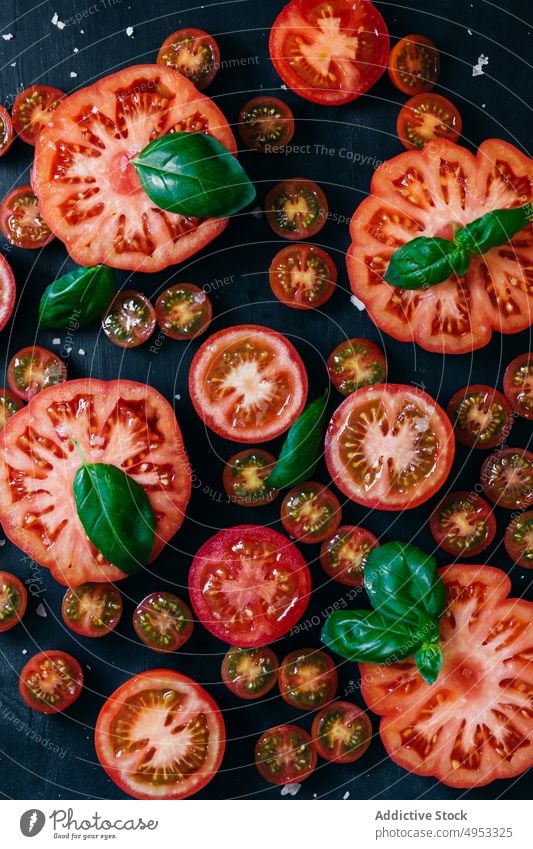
(308, 678)
(183, 311)
(414, 64)
(33, 109)
(51, 681)
(343, 555)
(426, 117)
(6, 131)
(356, 363)
(481, 416)
(8, 291)
(245, 476)
(250, 673)
(21, 221)
(507, 478)
(302, 276)
(518, 540)
(163, 621)
(463, 524)
(33, 369)
(266, 123)
(310, 512)
(13, 600)
(518, 385)
(92, 610)
(192, 52)
(296, 209)
(285, 755)
(341, 732)
(129, 320)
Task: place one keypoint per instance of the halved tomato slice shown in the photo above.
(163, 621)
(51, 681)
(507, 478)
(183, 311)
(473, 725)
(518, 539)
(414, 64)
(160, 736)
(129, 320)
(250, 673)
(33, 369)
(343, 555)
(302, 276)
(389, 446)
(21, 221)
(463, 524)
(427, 117)
(249, 585)
(33, 109)
(266, 123)
(92, 610)
(244, 478)
(285, 755)
(356, 363)
(192, 52)
(248, 383)
(13, 600)
(89, 192)
(308, 678)
(310, 512)
(121, 422)
(296, 209)
(342, 732)
(8, 291)
(481, 416)
(6, 131)
(518, 385)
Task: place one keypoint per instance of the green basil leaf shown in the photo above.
(367, 636)
(116, 515)
(401, 582)
(429, 660)
(77, 298)
(422, 262)
(193, 174)
(302, 448)
(493, 229)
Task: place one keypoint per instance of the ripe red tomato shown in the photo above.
(481, 416)
(507, 478)
(160, 735)
(92, 610)
(33, 109)
(356, 363)
(192, 52)
(129, 319)
(249, 585)
(89, 192)
(265, 123)
(302, 276)
(21, 221)
(33, 369)
(9, 405)
(414, 64)
(8, 291)
(285, 755)
(13, 600)
(308, 679)
(426, 117)
(343, 555)
(296, 209)
(163, 621)
(244, 478)
(6, 131)
(51, 681)
(341, 732)
(389, 446)
(518, 385)
(472, 725)
(458, 315)
(248, 383)
(310, 512)
(329, 51)
(183, 311)
(120, 422)
(250, 673)
(518, 539)
(463, 524)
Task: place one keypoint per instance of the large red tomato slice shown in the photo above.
(474, 724)
(89, 192)
(8, 291)
(121, 422)
(426, 193)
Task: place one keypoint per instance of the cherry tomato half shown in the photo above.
(518, 540)
(92, 609)
(343, 555)
(129, 320)
(9, 404)
(33, 109)
(310, 512)
(507, 478)
(266, 123)
(414, 64)
(308, 678)
(163, 621)
(8, 291)
(21, 222)
(192, 52)
(426, 117)
(463, 524)
(6, 131)
(296, 209)
(33, 369)
(51, 681)
(518, 385)
(356, 363)
(13, 600)
(285, 755)
(481, 416)
(302, 276)
(341, 732)
(250, 673)
(244, 478)
(183, 311)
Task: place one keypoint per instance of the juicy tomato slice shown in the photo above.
(518, 385)
(463, 524)
(183, 311)
(249, 585)
(308, 678)
(33, 369)
(426, 117)
(481, 416)
(121, 422)
(356, 363)
(296, 209)
(310, 512)
(507, 478)
(92, 610)
(129, 320)
(341, 732)
(33, 109)
(21, 221)
(51, 681)
(473, 725)
(9, 405)
(192, 52)
(163, 621)
(329, 51)
(343, 555)
(302, 276)
(89, 191)
(285, 755)
(266, 124)
(6, 131)
(414, 64)
(518, 539)
(160, 736)
(8, 291)
(245, 476)
(248, 383)
(13, 600)
(250, 673)
(389, 446)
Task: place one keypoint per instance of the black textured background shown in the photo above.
(494, 104)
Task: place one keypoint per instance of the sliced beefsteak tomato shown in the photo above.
(8, 291)
(120, 422)
(427, 193)
(474, 724)
(89, 192)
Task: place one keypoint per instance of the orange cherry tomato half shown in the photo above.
(266, 124)
(6, 131)
(183, 311)
(308, 678)
(33, 109)
(341, 732)
(13, 600)
(33, 369)
(425, 117)
(51, 681)
(92, 609)
(250, 673)
(285, 755)
(518, 539)
(463, 524)
(302, 276)
(129, 320)
(244, 478)
(21, 222)
(414, 64)
(163, 621)
(192, 52)
(310, 512)
(343, 555)
(518, 385)
(507, 478)
(296, 209)
(356, 363)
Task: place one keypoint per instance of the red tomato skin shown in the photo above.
(9, 135)
(511, 391)
(51, 94)
(16, 583)
(76, 677)
(8, 291)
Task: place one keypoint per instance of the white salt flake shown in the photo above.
(24, 651)
(73, 75)
(290, 789)
(41, 610)
(314, 795)
(483, 105)
(2, 542)
(13, 64)
(88, 667)
(283, 86)
(469, 31)
(256, 212)
(56, 22)
(177, 397)
(68, 349)
(82, 31)
(357, 303)
(346, 795)
(56, 341)
(129, 32)
(7, 36)
(81, 352)
(477, 69)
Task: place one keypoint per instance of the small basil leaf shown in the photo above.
(302, 448)
(116, 515)
(493, 229)
(193, 174)
(79, 296)
(423, 261)
(366, 636)
(429, 660)
(401, 580)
